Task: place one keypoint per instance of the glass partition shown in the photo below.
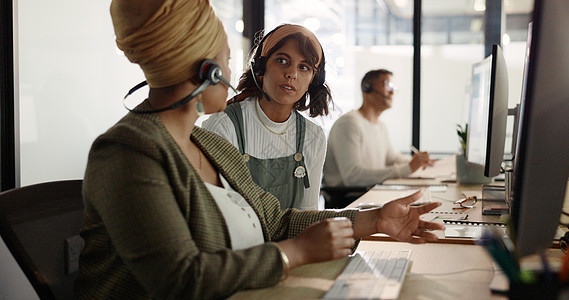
(71, 78)
(357, 36)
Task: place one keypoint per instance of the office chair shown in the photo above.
(40, 225)
(340, 197)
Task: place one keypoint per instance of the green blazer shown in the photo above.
(152, 229)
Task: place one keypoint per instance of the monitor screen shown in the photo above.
(477, 134)
(488, 113)
(517, 120)
(541, 164)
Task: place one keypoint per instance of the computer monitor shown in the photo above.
(488, 113)
(517, 109)
(541, 163)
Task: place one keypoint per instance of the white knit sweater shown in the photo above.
(360, 153)
(261, 143)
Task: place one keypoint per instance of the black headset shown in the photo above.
(209, 73)
(366, 87)
(258, 64)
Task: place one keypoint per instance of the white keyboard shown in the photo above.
(372, 275)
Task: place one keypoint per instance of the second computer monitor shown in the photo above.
(488, 113)
(541, 163)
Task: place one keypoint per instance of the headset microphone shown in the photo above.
(368, 88)
(259, 86)
(377, 92)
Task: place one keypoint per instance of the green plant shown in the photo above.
(462, 133)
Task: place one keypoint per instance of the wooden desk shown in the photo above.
(453, 192)
(447, 198)
(438, 271)
(448, 269)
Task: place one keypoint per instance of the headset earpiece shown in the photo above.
(210, 71)
(258, 65)
(366, 87)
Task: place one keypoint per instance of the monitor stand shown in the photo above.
(494, 200)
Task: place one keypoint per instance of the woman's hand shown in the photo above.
(322, 241)
(401, 221)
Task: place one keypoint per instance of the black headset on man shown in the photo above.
(368, 88)
(209, 73)
(259, 63)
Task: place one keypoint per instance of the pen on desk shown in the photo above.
(455, 208)
(414, 150)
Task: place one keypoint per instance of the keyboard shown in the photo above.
(372, 275)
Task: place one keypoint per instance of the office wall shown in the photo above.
(71, 80)
(445, 80)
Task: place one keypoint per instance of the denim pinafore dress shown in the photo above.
(284, 177)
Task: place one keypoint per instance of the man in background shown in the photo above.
(359, 149)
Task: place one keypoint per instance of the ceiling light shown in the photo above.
(239, 26)
(401, 3)
(505, 39)
(479, 5)
(312, 24)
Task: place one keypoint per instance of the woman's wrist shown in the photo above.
(365, 223)
(285, 260)
(294, 252)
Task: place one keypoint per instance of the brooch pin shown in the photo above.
(299, 172)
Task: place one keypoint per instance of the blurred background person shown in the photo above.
(359, 151)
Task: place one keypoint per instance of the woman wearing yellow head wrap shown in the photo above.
(171, 210)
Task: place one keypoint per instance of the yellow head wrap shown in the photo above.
(169, 46)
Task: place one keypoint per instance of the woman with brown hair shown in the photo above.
(283, 150)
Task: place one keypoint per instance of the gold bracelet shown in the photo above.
(286, 262)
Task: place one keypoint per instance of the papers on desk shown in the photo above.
(379, 198)
(430, 187)
(444, 215)
(468, 229)
(444, 168)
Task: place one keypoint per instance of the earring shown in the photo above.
(199, 108)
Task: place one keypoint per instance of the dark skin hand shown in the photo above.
(402, 222)
(333, 238)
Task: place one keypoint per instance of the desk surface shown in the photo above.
(448, 269)
(453, 192)
(438, 271)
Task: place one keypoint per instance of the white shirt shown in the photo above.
(360, 153)
(261, 143)
(242, 221)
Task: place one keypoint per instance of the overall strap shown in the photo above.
(236, 116)
(298, 156)
(300, 131)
